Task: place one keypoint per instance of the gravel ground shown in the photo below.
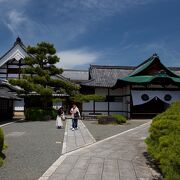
(100, 131)
(32, 148)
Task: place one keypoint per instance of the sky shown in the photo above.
(102, 32)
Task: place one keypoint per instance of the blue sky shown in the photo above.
(107, 32)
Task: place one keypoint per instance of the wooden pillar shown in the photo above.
(131, 105)
(19, 68)
(94, 106)
(7, 70)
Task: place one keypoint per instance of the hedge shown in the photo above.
(119, 118)
(1, 145)
(115, 118)
(164, 141)
(1, 140)
(37, 114)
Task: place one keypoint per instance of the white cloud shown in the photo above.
(70, 59)
(79, 15)
(15, 20)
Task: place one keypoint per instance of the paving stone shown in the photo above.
(64, 168)
(58, 177)
(111, 166)
(95, 168)
(110, 176)
(76, 139)
(71, 159)
(116, 159)
(76, 174)
(82, 164)
(92, 177)
(143, 172)
(96, 160)
(126, 169)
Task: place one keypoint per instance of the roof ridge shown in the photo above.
(149, 59)
(18, 41)
(110, 66)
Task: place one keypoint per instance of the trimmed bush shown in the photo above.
(115, 118)
(1, 140)
(1, 145)
(106, 120)
(119, 118)
(164, 141)
(37, 114)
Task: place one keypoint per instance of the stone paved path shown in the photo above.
(120, 157)
(76, 139)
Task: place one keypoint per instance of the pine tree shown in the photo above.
(37, 76)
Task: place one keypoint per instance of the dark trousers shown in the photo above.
(74, 123)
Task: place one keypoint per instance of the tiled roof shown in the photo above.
(106, 76)
(8, 93)
(139, 76)
(76, 75)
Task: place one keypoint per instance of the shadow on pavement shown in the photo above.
(153, 164)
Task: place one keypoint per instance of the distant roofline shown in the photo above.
(112, 67)
(174, 68)
(82, 70)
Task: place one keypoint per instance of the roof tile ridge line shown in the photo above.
(147, 60)
(61, 76)
(174, 68)
(112, 67)
(83, 70)
(171, 71)
(87, 81)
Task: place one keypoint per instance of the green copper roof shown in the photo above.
(148, 63)
(139, 76)
(142, 67)
(148, 79)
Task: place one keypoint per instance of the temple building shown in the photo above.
(135, 92)
(141, 91)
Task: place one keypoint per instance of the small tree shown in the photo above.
(37, 76)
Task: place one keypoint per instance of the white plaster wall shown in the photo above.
(116, 92)
(13, 75)
(87, 106)
(57, 105)
(99, 106)
(3, 70)
(19, 105)
(115, 106)
(3, 76)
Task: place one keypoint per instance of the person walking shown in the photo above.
(75, 115)
(60, 116)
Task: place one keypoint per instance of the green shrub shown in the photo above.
(36, 114)
(1, 145)
(115, 118)
(164, 141)
(106, 119)
(1, 140)
(119, 118)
